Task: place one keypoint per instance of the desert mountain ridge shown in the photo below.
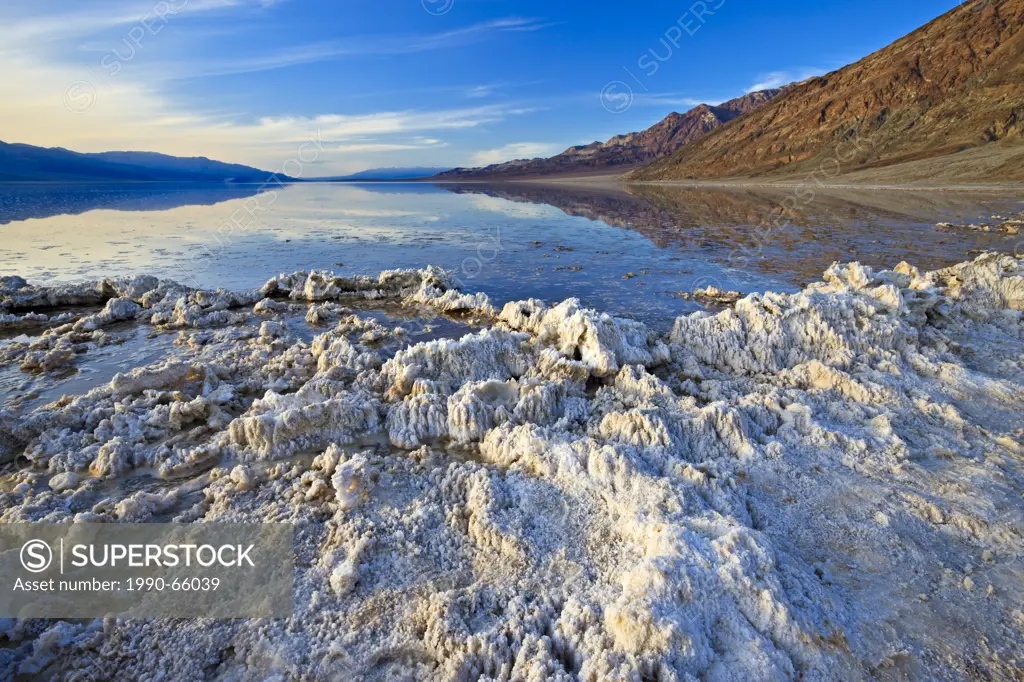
(623, 152)
(944, 102)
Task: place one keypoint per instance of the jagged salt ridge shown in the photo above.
(822, 485)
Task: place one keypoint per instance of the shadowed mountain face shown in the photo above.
(956, 83)
(23, 162)
(624, 151)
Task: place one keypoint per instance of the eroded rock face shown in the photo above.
(820, 485)
(920, 97)
(631, 149)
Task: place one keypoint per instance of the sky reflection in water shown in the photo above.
(628, 251)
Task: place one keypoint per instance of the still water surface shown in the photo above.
(625, 250)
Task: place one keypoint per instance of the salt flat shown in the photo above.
(823, 484)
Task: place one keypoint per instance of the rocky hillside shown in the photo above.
(624, 151)
(953, 85)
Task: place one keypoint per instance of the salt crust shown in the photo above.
(823, 485)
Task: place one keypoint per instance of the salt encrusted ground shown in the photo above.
(820, 486)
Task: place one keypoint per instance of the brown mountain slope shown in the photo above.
(956, 83)
(623, 151)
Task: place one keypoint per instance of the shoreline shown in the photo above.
(610, 181)
(620, 181)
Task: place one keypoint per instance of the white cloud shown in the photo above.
(776, 79)
(386, 147)
(479, 91)
(54, 26)
(517, 150)
(363, 47)
(670, 99)
(343, 127)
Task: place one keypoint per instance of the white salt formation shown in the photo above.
(820, 486)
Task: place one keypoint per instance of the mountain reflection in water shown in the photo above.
(626, 250)
(750, 228)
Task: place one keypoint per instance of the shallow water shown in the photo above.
(628, 251)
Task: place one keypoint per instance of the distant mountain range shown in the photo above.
(623, 152)
(944, 102)
(415, 173)
(22, 162)
(26, 163)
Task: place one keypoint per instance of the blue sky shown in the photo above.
(333, 86)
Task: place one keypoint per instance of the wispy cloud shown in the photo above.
(19, 30)
(370, 46)
(517, 150)
(357, 147)
(776, 79)
(17, 27)
(344, 127)
(672, 99)
(480, 91)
